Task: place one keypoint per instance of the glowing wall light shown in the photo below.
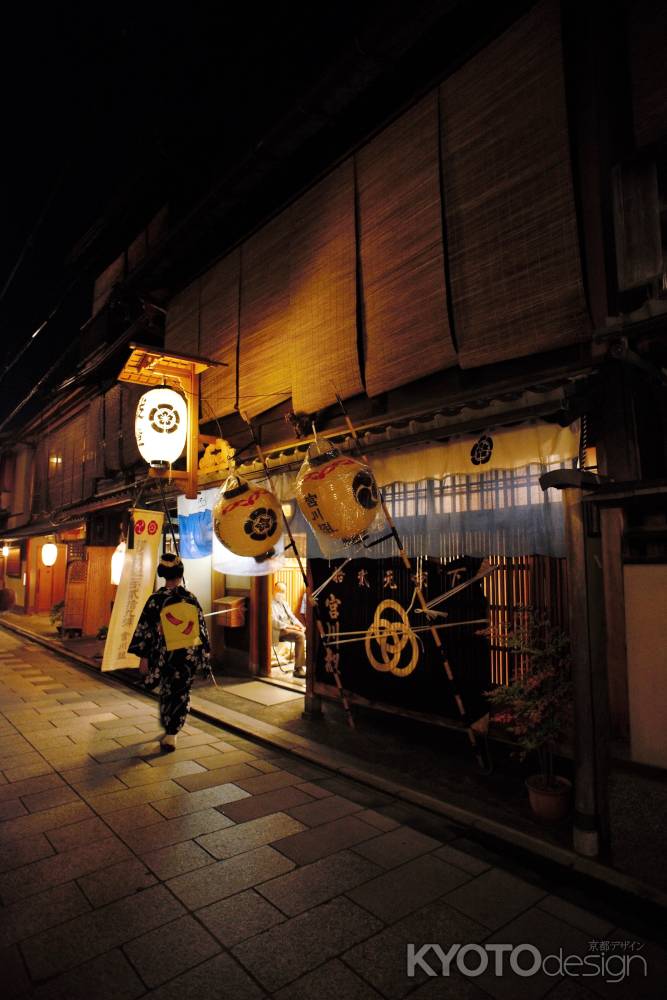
(49, 553)
(117, 561)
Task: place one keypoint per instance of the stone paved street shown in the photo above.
(231, 870)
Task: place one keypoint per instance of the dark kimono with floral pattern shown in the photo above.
(172, 635)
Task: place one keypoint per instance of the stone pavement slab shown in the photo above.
(332, 981)
(91, 934)
(205, 981)
(61, 868)
(328, 838)
(245, 836)
(252, 807)
(109, 977)
(27, 917)
(288, 950)
(225, 878)
(382, 959)
(494, 897)
(167, 951)
(167, 862)
(316, 883)
(239, 917)
(397, 892)
(122, 879)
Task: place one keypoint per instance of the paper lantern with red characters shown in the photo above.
(247, 519)
(337, 495)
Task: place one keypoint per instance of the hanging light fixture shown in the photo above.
(49, 553)
(117, 561)
(161, 426)
(5, 550)
(247, 519)
(337, 495)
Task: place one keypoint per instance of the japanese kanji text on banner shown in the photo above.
(134, 589)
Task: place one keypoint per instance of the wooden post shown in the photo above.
(260, 628)
(192, 446)
(312, 708)
(591, 736)
(612, 523)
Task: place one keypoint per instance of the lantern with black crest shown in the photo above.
(247, 519)
(161, 426)
(337, 494)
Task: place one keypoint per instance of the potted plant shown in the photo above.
(539, 704)
(57, 615)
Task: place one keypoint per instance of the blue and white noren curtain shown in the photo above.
(195, 525)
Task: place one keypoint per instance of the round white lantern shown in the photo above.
(247, 520)
(161, 426)
(337, 495)
(49, 553)
(5, 550)
(117, 560)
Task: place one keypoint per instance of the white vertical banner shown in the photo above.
(134, 589)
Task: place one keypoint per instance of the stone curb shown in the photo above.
(345, 766)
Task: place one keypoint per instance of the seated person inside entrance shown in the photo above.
(286, 627)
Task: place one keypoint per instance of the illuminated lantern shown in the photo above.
(161, 426)
(337, 495)
(247, 519)
(49, 553)
(117, 560)
(5, 550)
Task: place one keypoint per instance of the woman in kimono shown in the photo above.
(172, 642)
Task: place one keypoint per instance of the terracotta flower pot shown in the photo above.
(550, 804)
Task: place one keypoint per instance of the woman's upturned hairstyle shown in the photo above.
(170, 567)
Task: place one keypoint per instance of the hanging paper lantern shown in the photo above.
(49, 553)
(5, 550)
(117, 561)
(247, 519)
(161, 426)
(337, 495)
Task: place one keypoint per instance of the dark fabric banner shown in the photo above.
(385, 652)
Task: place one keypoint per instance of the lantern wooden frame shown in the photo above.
(153, 367)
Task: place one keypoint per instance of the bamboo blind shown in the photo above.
(264, 370)
(219, 304)
(93, 447)
(182, 325)
(648, 45)
(39, 493)
(402, 266)
(323, 328)
(111, 423)
(510, 216)
(130, 396)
